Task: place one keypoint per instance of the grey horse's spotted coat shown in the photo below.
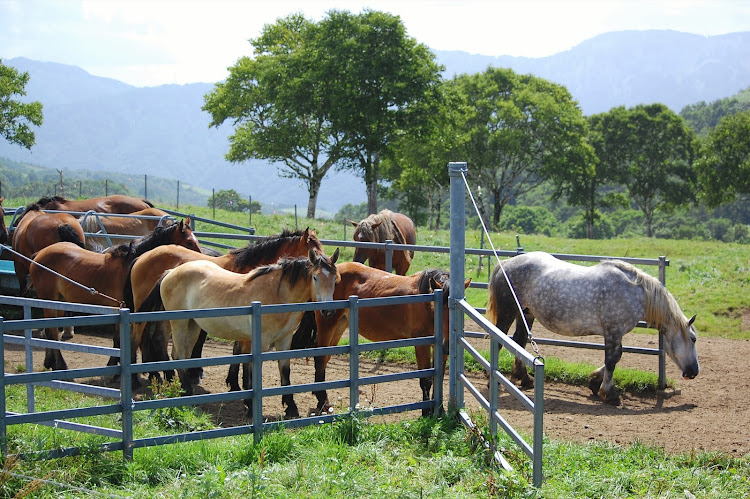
(608, 299)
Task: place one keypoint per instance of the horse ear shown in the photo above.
(353, 223)
(690, 322)
(188, 221)
(376, 225)
(467, 282)
(335, 256)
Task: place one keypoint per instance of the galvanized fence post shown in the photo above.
(126, 387)
(662, 346)
(458, 247)
(257, 373)
(537, 475)
(3, 426)
(353, 353)
(27, 334)
(494, 388)
(437, 361)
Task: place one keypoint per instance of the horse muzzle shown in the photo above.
(690, 373)
(327, 313)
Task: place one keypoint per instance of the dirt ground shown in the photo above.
(706, 413)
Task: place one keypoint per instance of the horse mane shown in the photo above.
(269, 246)
(440, 276)
(293, 268)
(149, 203)
(134, 249)
(662, 310)
(45, 200)
(30, 207)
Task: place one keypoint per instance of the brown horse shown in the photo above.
(125, 225)
(34, 231)
(105, 272)
(203, 284)
(149, 270)
(391, 322)
(116, 203)
(379, 228)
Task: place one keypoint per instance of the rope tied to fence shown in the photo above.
(91, 290)
(534, 346)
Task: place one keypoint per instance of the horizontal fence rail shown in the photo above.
(123, 437)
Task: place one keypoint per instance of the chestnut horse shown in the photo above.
(116, 203)
(149, 270)
(126, 225)
(105, 272)
(379, 228)
(202, 284)
(390, 322)
(608, 299)
(34, 230)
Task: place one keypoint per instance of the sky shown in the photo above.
(155, 42)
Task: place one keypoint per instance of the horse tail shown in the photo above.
(153, 301)
(491, 312)
(127, 290)
(67, 233)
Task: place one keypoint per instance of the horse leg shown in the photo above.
(185, 333)
(600, 381)
(196, 373)
(521, 336)
(292, 412)
(329, 333)
(53, 359)
(424, 362)
(233, 376)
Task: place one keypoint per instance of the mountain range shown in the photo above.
(96, 123)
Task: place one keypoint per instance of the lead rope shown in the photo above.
(500, 263)
(93, 291)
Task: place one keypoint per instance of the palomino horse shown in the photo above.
(607, 299)
(116, 203)
(147, 271)
(34, 230)
(390, 322)
(126, 225)
(105, 272)
(203, 284)
(380, 228)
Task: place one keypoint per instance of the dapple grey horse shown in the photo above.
(606, 299)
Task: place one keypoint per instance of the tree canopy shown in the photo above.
(724, 166)
(16, 117)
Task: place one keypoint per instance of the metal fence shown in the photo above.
(124, 438)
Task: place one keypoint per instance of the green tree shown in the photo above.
(522, 131)
(17, 117)
(650, 150)
(230, 200)
(371, 73)
(418, 164)
(703, 117)
(277, 107)
(724, 166)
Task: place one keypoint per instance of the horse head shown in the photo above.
(184, 236)
(680, 345)
(324, 277)
(366, 232)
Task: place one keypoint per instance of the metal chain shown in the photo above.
(91, 290)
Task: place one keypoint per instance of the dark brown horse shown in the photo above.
(149, 270)
(116, 203)
(379, 228)
(35, 230)
(125, 225)
(391, 322)
(105, 272)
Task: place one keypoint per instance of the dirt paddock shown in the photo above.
(708, 413)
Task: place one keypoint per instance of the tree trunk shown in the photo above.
(371, 181)
(313, 199)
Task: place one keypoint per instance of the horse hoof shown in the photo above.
(611, 398)
(291, 412)
(527, 382)
(68, 335)
(595, 383)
